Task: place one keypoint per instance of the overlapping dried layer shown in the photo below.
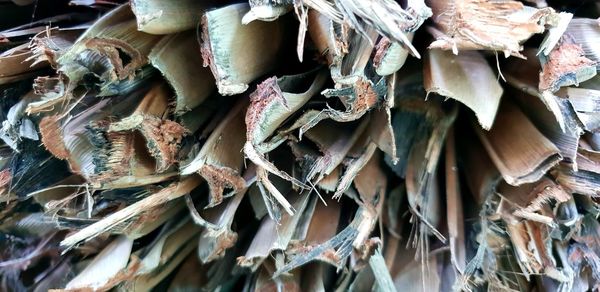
(144, 148)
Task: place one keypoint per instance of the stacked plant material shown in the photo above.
(307, 145)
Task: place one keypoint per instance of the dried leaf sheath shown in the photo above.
(169, 193)
(257, 47)
(167, 17)
(178, 58)
(111, 153)
(466, 78)
(389, 56)
(454, 205)
(268, 238)
(270, 105)
(529, 201)
(162, 136)
(560, 127)
(103, 269)
(111, 50)
(116, 31)
(267, 10)
(584, 32)
(516, 165)
(220, 159)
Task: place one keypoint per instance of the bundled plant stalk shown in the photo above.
(308, 145)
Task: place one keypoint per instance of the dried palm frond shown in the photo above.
(185, 145)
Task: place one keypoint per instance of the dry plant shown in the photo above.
(306, 145)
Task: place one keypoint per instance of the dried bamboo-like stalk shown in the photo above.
(49, 45)
(567, 139)
(584, 102)
(521, 235)
(333, 148)
(115, 31)
(323, 224)
(320, 29)
(582, 181)
(355, 235)
(584, 32)
(109, 154)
